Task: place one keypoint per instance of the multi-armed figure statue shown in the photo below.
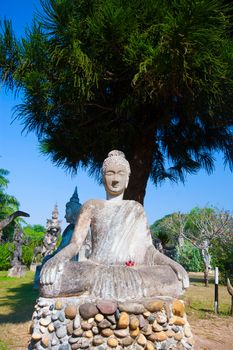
(120, 233)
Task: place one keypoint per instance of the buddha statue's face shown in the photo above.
(71, 213)
(115, 179)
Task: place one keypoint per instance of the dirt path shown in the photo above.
(213, 334)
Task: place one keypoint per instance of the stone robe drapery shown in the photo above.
(120, 233)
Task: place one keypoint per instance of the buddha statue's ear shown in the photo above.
(127, 182)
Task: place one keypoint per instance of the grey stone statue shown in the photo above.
(5, 222)
(72, 210)
(123, 263)
(17, 268)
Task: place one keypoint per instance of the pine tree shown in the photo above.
(152, 78)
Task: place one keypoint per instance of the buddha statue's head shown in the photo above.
(72, 208)
(115, 172)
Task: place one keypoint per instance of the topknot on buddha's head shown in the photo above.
(116, 157)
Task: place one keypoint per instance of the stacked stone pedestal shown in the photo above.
(82, 323)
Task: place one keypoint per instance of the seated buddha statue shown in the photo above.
(123, 263)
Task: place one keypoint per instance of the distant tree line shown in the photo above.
(199, 240)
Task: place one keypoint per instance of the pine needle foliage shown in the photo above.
(152, 78)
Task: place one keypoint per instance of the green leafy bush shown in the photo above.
(189, 257)
(27, 254)
(222, 257)
(6, 252)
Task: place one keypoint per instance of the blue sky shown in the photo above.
(38, 184)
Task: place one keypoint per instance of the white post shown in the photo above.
(216, 290)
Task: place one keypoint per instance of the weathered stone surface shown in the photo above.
(107, 332)
(170, 333)
(55, 340)
(73, 340)
(95, 330)
(123, 321)
(88, 334)
(58, 305)
(160, 336)
(141, 340)
(107, 307)
(142, 321)
(88, 310)
(86, 326)
(176, 320)
(36, 336)
(61, 332)
(146, 330)
(64, 347)
(132, 308)
(45, 321)
(112, 342)
(61, 317)
(121, 333)
(186, 344)
(78, 332)
(42, 302)
(191, 341)
(178, 307)
(77, 322)
(99, 317)
(161, 317)
(146, 314)
(154, 306)
(91, 320)
(157, 327)
(175, 329)
(149, 346)
(51, 328)
(83, 343)
(187, 331)
(133, 322)
(43, 329)
(45, 341)
(111, 318)
(179, 336)
(74, 346)
(55, 316)
(104, 324)
(98, 340)
(135, 332)
(70, 328)
(151, 318)
(70, 311)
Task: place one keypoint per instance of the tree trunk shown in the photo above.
(230, 291)
(140, 164)
(206, 275)
(206, 258)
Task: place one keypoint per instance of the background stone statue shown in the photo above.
(5, 222)
(123, 262)
(17, 269)
(72, 210)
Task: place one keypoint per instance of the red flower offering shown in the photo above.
(129, 263)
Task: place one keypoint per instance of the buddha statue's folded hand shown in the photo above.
(50, 270)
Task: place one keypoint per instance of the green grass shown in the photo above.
(200, 299)
(17, 299)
